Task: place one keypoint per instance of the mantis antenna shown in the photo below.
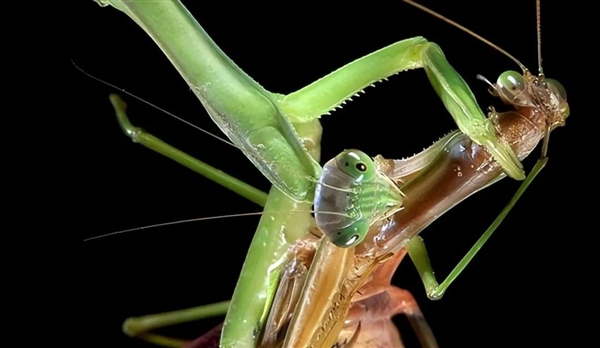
(468, 31)
(152, 105)
(227, 216)
(538, 20)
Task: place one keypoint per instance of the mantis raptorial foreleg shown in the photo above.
(251, 116)
(328, 92)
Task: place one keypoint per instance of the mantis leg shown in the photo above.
(334, 89)
(140, 136)
(140, 327)
(241, 108)
(374, 314)
(264, 124)
(377, 302)
(418, 253)
(246, 113)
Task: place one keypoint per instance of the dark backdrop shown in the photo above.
(518, 291)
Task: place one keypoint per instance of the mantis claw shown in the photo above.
(435, 293)
(461, 104)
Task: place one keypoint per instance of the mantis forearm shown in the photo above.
(247, 113)
(332, 90)
(329, 92)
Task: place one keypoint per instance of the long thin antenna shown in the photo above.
(152, 105)
(479, 37)
(539, 35)
(179, 222)
(170, 223)
(538, 20)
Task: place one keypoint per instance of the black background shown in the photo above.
(525, 287)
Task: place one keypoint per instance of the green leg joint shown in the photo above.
(140, 327)
(148, 140)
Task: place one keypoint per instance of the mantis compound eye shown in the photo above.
(511, 88)
(559, 97)
(352, 235)
(557, 88)
(356, 164)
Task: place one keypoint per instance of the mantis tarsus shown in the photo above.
(132, 194)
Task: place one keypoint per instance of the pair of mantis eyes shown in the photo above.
(510, 85)
(360, 168)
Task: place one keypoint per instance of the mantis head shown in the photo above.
(529, 91)
(352, 187)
